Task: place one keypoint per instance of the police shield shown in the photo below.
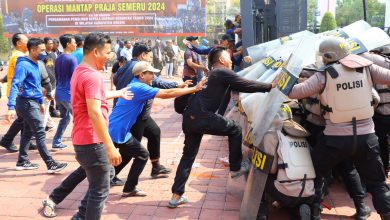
(259, 171)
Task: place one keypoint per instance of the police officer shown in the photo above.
(345, 92)
(290, 181)
(315, 123)
(382, 112)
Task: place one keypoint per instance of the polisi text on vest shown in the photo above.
(349, 85)
(298, 144)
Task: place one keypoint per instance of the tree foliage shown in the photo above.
(328, 22)
(311, 14)
(349, 11)
(3, 40)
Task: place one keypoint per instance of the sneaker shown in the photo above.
(173, 203)
(33, 146)
(135, 193)
(26, 165)
(49, 208)
(60, 147)
(304, 212)
(56, 167)
(49, 128)
(160, 172)
(55, 114)
(117, 182)
(245, 166)
(10, 148)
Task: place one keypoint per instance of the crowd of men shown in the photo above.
(43, 83)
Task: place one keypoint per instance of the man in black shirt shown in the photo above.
(200, 118)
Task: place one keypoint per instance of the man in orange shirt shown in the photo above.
(19, 41)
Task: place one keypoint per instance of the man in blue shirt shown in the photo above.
(145, 126)
(64, 67)
(28, 103)
(78, 53)
(125, 114)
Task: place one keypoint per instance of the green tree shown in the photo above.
(349, 11)
(311, 14)
(328, 22)
(3, 40)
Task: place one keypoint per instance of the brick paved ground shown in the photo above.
(21, 192)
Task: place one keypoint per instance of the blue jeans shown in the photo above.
(93, 159)
(29, 111)
(66, 114)
(169, 67)
(70, 183)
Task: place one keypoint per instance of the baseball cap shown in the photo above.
(227, 37)
(191, 38)
(143, 66)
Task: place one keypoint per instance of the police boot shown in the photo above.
(362, 210)
(385, 216)
(316, 211)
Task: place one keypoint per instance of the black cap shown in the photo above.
(227, 37)
(191, 38)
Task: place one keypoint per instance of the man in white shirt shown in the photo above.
(127, 50)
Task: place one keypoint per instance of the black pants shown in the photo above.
(331, 150)
(346, 167)
(13, 130)
(291, 203)
(382, 130)
(132, 149)
(193, 130)
(149, 129)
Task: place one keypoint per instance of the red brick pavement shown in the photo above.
(21, 192)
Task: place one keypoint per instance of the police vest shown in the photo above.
(384, 92)
(294, 160)
(347, 94)
(384, 103)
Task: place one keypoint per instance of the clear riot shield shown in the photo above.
(257, 178)
(368, 40)
(260, 51)
(251, 101)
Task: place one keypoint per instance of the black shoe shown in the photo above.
(363, 213)
(26, 165)
(10, 148)
(160, 172)
(49, 128)
(135, 193)
(33, 146)
(116, 182)
(56, 167)
(55, 114)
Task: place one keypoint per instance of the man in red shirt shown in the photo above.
(94, 148)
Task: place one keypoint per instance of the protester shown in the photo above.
(28, 103)
(92, 143)
(200, 118)
(19, 41)
(125, 115)
(192, 62)
(127, 50)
